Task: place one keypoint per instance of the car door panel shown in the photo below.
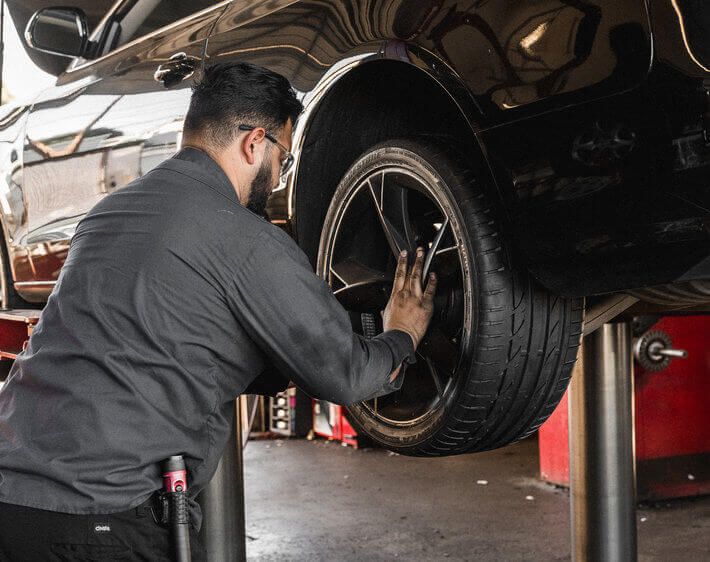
(114, 127)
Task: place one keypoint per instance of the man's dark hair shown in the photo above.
(230, 94)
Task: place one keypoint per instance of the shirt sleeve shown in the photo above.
(268, 382)
(295, 319)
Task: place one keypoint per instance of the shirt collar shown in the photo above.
(210, 168)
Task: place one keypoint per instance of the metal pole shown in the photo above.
(601, 434)
(222, 502)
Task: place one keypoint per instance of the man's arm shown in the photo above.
(295, 319)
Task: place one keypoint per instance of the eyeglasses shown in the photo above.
(288, 159)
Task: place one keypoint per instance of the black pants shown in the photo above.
(37, 535)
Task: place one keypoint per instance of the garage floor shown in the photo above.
(315, 500)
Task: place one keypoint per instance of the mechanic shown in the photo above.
(176, 296)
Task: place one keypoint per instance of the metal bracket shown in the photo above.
(606, 310)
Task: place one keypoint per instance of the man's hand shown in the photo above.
(410, 309)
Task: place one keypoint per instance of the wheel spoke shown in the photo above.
(434, 248)
(364, 289)
(395, 239)
(395, 206)
(435, 375)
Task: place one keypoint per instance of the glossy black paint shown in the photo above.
(105, 123)
(61, 31)
(586, 117)
(615, 193)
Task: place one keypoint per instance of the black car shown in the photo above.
(544, 152)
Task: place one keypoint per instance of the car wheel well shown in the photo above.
(376, 101)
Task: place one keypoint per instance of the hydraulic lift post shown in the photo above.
(222, 501)
(601, 444)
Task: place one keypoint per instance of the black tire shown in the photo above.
(520, 342)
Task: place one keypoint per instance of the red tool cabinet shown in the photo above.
(329, 421)
(672, 420)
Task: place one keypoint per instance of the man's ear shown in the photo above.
(250, 144)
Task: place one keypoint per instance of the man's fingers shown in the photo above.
(430, 287)
(400, 276)
(415, 282)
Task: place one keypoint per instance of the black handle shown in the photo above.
(179, 67)
(175, 488)
(179, 524)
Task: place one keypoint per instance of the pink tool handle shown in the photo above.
(174, 480)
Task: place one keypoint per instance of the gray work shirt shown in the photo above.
(173, 299)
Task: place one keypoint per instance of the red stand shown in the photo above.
(672, 421)
(329, 421)
(15, 329)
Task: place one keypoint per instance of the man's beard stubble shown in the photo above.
(261, 189)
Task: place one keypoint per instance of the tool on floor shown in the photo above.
(175, 490)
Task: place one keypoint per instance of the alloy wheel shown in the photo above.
(389, 209)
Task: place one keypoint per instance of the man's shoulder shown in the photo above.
(276, 237)
(176, 173)
(182, 184)
(274, 245)
(166, 196)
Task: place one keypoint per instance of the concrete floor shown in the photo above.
(315, 500)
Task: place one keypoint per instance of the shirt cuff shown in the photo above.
(402, 348)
